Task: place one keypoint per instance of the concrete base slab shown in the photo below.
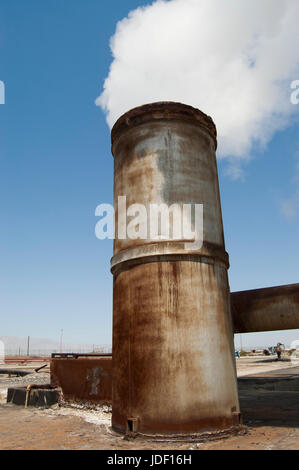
(36, 397)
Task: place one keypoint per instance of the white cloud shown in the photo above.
(234, 171)
(234, 60)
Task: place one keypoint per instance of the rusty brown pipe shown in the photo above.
(269, 309)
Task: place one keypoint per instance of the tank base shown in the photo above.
(206, 429)
(203, 436)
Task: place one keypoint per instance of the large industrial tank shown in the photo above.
(173, 359)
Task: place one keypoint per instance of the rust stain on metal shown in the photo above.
(83, 378)
(165, 111)
(268, 309)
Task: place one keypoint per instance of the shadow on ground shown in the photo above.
(271, 398)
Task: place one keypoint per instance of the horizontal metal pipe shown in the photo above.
(269, 309)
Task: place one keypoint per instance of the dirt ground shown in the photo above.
(269, 398)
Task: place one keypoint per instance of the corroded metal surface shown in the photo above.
(84, 379)
(172, 331)
(165, 111)
(270, 309)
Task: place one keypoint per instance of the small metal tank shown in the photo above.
(173, 358)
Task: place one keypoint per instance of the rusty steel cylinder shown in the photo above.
(173, 354)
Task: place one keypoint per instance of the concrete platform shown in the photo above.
(270, 398)
(37, 397)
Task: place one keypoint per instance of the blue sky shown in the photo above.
(56, 167)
